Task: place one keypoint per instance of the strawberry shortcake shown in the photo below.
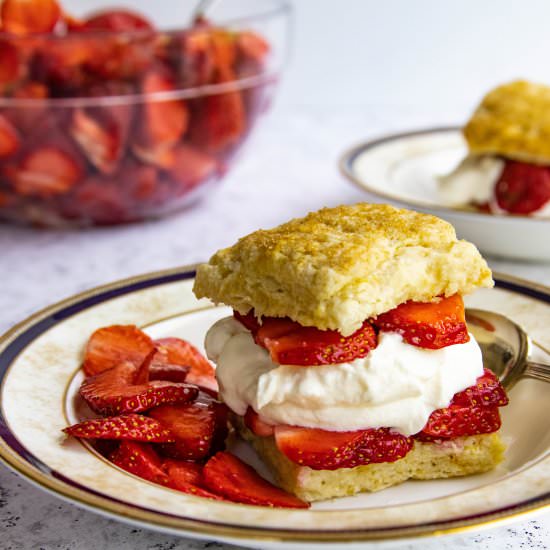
(347, 362)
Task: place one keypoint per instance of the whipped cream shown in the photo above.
(396, 385)
(472, 181)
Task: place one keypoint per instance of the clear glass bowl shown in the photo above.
(103, 127)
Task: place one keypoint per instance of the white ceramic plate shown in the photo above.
(39, 373)
(403, 168)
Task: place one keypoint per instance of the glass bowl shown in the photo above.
(101, 127)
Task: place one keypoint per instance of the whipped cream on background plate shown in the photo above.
(474, 180)
(396, 385)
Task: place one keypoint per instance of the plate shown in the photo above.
(39, 370)
(403, 169)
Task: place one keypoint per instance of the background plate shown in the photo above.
(403, 168)
(39, 362)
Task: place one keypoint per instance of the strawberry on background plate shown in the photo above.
(187, 477)
(230, 477)
(325, 450)
(523, 188)
(431, 325)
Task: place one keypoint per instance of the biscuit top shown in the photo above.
(513, 120)
(338, 266)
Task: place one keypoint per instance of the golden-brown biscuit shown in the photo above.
(513, 121)
(339, 266)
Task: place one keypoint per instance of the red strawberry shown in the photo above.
(324, 450)
(10, 67)
(200, 427)
(432, 325)
(141, 460)
(253, 47)
(114, 392)
(46, 171)
(175, 351)
(29, 16)
(170, 373)
(9, 138)
(457, 421)
(187, 478)
(249, 320)
(487, 392)
(523, 188)
(135, 427)
(289, 343)
(191, 167)
(256, 425)
(116, 20)
(110, 346)
(228, 476)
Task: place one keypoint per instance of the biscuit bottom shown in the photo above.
(460, 457)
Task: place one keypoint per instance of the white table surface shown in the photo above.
(289, 170)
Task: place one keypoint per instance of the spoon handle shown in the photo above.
(540, 371)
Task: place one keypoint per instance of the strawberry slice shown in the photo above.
(118, 20)
(228, 476)
(170, 373)
(187, 478)
(431, 325)
(46, 171)
(191, 167)
(523, 188)
(256, 425)
(325, 450)
(10, 68)
(175, 351)
(253, 47)
(164, 121)
(289, 343)
(135, 427)
(458, 421)
(200, 427)
(10, 140)
(113, 392)
(110, 346)
(29, 16)
(249, 320)
(487, 392)
(141, 460)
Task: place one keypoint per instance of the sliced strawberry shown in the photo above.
(187, 478)
(175, 351)
(46, 171)
(191, 167)
(253, 47)
(289, 343)
(29, 16)
(10, 140)
(26, 118)
(228, 476)
(523, 188)
(200, 427)
(118, 20)
(113, 392)
(135, 427)
(458, 421)
(487, 392)
(431, 325)
(10, 68)
(249, 320)
(196, 59)
(325, 450)
(110, 346)
(170, 373)
(101, 134)
(164, 120)
(141, 460)
(256, 425)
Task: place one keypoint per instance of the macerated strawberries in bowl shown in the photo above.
(108, 118)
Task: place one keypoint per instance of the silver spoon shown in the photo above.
(505, 346)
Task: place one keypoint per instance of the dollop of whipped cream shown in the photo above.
(396, 385)
(472, 181)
